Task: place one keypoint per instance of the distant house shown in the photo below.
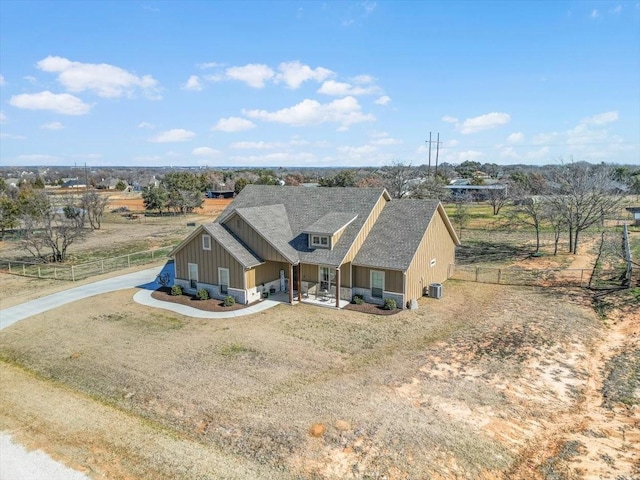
(635, 211)
(73, 183)
(319, 243)
(111, 184)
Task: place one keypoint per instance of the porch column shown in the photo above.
(338, 287)
(290, 283)
(299, 285)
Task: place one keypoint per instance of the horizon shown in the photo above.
(318, 85)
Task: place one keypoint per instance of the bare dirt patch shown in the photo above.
(462, 387)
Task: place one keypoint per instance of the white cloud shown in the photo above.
(595, 13)
(193, 84)
(383, 139)
(346, 111)
(484, 122)
(103, 79)
(233, 124)
(37, 157)
(339, 89)
(295, 74)
(205, 152)
(357, 151)
(52, 126)
(516, 137)
(449, 119)
(63, 103)
(146, 125)
(600, 118)
(255, 75)
(11, 136)
(174, 135)
(544, 138)
(616, 10)
(256, 145)
(207, 65)
(2, 80)
(383, 100)
(276, 158)
(3, 117)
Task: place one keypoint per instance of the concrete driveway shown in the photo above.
(11, 315)
(145, 280)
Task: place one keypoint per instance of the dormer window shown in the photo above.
(319, 241)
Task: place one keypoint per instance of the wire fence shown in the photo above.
(84, 270)
(547, 277)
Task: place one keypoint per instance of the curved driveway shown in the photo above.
(144, 279)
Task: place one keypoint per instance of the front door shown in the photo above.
(327, 279)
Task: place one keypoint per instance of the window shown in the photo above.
(206, 242)
(432, 263)
(321, 241)
(223, 280)
(327, 278)
(193, 275)
(377, 283)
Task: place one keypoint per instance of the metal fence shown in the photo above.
(627, 255)
(522, 276)
(83, 270)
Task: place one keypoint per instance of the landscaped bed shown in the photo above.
(210, 305)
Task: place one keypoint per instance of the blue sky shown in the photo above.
(303, 83)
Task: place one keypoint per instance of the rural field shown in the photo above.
(491, 381)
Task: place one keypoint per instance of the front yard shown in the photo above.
(459, 387)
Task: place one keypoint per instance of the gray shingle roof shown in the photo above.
(233, 245)
(396, 235)
(272, 223)
(331, 223)
(304, 207)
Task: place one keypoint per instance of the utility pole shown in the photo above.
(429, 168)
(435, 175)
(437, 142)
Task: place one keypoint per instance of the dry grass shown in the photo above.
(454, 388)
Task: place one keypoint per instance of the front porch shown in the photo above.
(320, 301)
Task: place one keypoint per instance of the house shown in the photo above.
(319, 243)
(635, 211)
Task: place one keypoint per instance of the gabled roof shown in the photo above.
(232, 244)
(301, 208)
(272, 224)
(394, 239)
(331, 223)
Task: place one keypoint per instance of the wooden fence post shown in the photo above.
(73, 274)
(9, 267)
(39, 272)
(499, 275)
(477, 268)
(128, 260)
(24, 270)
(102, 265)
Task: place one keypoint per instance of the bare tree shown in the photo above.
(52, 230)
(585, 196)
(497, 198)
(430, 188)
(396, 178)
(528, 211)
(461, 214)
(94, 205)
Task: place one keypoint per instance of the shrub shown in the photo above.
(390, 304)
(229, 301)
(357, 299)
(176, 290)
(202, 294)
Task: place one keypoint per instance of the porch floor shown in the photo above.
(328, 302)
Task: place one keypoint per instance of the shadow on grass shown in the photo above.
(481, 252)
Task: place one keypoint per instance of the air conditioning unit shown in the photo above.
(435, 290)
